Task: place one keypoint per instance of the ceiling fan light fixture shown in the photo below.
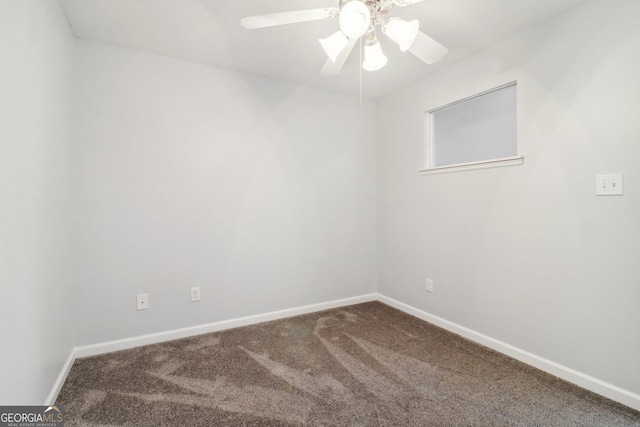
(374, 59)
(355, 19)
(402, 32)
(334, 44)
(358, 20)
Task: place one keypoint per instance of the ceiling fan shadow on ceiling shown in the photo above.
(359, 19)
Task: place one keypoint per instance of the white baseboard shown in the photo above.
(62, 376)
(123, 344)
(590, 383)
(107, 347)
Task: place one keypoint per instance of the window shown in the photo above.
(474, 133)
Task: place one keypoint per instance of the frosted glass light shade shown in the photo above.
(355, 19)
(374, 59)
(334, 44)
(402, 32)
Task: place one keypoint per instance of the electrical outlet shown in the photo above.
(429, 286)
(142, 301)
(195, 294)
(609, 185)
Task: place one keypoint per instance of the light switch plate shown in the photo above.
(609, 185)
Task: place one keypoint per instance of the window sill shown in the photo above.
(463, 167)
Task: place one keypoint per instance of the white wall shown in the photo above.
(36, 322)
(260, 192)
(264, 195)
(528, 255)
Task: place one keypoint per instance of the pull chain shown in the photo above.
(360, 68)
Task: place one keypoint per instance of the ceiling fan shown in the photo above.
(359, 18)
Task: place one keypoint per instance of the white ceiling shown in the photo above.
(209, 32)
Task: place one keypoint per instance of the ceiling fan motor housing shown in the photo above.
(358, 17)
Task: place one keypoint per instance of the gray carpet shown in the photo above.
(363, 365)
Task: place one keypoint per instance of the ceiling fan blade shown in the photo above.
(403, 3)
(427, 49)
(283, 18)
(331, 68)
